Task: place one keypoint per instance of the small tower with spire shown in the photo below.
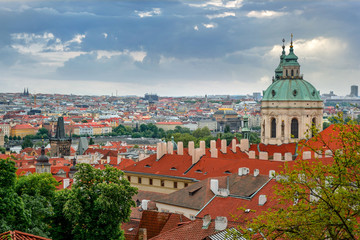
(291, 67)
(42, 163)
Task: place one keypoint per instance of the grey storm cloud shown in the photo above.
(186, 41)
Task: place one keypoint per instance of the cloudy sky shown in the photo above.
(174, 48)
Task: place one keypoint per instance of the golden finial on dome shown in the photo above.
(291, 44)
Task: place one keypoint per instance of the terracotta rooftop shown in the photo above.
(17, 235)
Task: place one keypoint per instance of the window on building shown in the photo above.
(273, 128)
(292, 72)
(286, 72)
(129, 178)
(175, 184)
(139, 180)
(150, 181)
(162, 183)
(294, 128)
(186, 184)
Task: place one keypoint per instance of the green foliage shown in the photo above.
(27, 143)
(2, 150)
(12, 210)
(318, 199)
(98, 203)
(227, 129)
(91, 141)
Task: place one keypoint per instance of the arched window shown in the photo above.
(273, 128)
(286, 72)
(313, 125)
(292, 72)
(294, 128)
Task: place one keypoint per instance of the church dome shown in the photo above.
(291, 90)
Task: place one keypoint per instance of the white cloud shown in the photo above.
(265, 14)
(221, 15)
(154, 11)
(196, 28)
(105, 35)
(209, 25)
(135, 55)
(216, 4)
(320, 48)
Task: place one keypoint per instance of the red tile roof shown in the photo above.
(17, 235)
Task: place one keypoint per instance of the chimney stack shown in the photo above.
(233, 145)
(164, 148)
(118, 160)
(142, 234)
(256, 172)
(66, 182)
(223, 146)
(158, 150)
(213, 149)
(220, 223)
(191, 148)
(180, 148)
(170, 147)
(262, 200)
(202, 147)
(214, 186)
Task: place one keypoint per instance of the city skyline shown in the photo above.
(174, 48)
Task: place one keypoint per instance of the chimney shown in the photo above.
(142, 234)
(164, 148)
(213, 149)
(214, 186)
(244, 145)
(180, 148)
(220, 223)
(144, 204)
(191, 147)
(271, 173)
(262, 200)
(256, 172)
(206, 221)
(158, 150)
(66, 182)
(118, 160)
(233, 145)
(202, 147)
(223, 146)
(108, 159)
(170, 147)
(243, 171)
(196, 156)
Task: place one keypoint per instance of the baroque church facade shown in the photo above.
(290, 105)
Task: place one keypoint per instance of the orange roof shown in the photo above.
(14, 235)
(24, 126)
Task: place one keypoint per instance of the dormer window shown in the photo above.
(147, 165)
(173, 168)
(198, 171)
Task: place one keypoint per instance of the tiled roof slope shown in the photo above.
(17, 235)
(181, 165)
(198, 194)
(189, 231)
(231, 207)
(156, 222)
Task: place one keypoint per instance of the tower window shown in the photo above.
(292, 72)
(286, 72)
(273, 128)
(294, 128)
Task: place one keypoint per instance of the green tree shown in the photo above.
(37, 192)
(91, 141)
(227, 129)
(27, 143)
(12, 209)
(98, 203)
(317, 199)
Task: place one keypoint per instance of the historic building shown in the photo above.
(42, 163)
(60, 144)
(290, 105)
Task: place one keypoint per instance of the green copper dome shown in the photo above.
(291, 90)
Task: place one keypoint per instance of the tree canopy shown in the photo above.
(99, 201)
(317, 198)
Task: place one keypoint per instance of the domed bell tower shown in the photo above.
(290, 105)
